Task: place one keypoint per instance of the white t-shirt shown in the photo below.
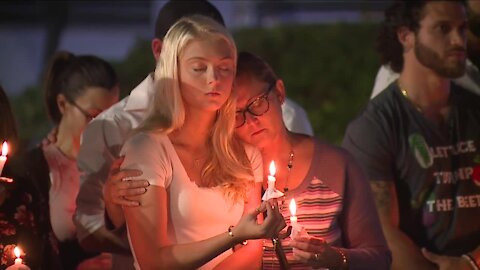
(195, 213)
(470, 80)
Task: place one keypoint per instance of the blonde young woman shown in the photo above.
(204, 193)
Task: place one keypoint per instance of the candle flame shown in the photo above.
(4, 148)
(17, 251)
(272, 168)
(293, 207)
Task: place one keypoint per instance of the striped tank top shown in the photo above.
(318, 212)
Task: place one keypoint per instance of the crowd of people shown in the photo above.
(172, 176)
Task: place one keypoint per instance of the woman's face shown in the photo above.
(207, 70)
(259, 109)
(77, 113)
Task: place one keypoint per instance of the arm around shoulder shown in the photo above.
(100, 145)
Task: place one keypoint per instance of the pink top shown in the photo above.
(65, 184)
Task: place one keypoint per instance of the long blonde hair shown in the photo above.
(227, 166)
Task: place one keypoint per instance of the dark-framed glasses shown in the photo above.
(256, 107)
(87, 115)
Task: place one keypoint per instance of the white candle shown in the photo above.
(296, 229)
(271, 192)
(293, 212)
(17, 251)
(18, 265)
(271, 176)
(3, 157)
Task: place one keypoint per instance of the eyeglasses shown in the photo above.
(257, 107)
(87, 115)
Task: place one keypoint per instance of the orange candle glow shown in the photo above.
(18, 265)
(296, 228)
(17, 251)
(271, 176)
(293, 212)
(3, 157)
(271, 192)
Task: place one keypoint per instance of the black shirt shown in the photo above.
(432, 167)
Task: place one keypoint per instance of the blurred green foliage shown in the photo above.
(31, 116)
(329, 69)
(135, 67)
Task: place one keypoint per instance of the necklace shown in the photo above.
(289, 168)
(405, 94)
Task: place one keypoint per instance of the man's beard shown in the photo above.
(432, 60)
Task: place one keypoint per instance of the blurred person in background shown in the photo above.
(11, 227)
(470, 80)
(8, 126)
(77, 89)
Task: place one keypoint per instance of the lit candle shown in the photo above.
(17, 251)
(3, 157)
(18, 265)
(293, 217)
(296, 229)
(271, 176)
(271, 191)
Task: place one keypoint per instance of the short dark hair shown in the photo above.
(401, 13)
(173, 10)
(249, 64)
(71, 75)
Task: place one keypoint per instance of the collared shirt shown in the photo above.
(295, 118)
(102, 140)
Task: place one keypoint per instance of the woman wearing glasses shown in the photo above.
(341, 229)
(334, 205)
(77, 88)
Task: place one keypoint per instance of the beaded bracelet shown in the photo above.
(471, 261)
(230, 231)
(345, 260)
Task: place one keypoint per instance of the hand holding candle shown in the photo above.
(271, 191)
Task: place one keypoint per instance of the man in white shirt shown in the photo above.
(105, 135)
(471, 79)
